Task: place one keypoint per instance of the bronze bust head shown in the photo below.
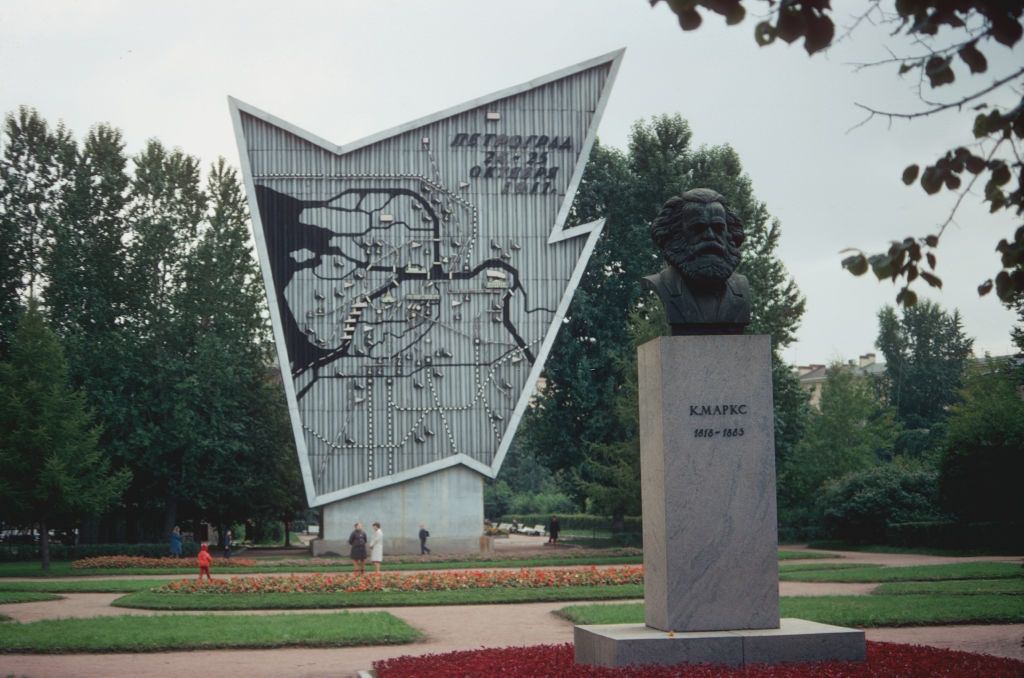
(700, 238)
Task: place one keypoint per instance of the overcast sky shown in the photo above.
(346, 69)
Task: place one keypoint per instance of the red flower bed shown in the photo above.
(542, 661)
(425, 581)
(123, 562)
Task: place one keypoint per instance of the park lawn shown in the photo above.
(913, 550)
(150, 600)
(64, 569)
(857, 611)
(974, 570)
(25, 597)
(195, 632)
(820, 567)
(956, 587)
(805, 555)
(83, 585)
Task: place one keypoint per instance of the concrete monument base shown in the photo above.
(450, 503)
(795, 640)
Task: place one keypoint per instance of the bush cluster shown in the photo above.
(576, 521)
(21, 552)
(858, 507)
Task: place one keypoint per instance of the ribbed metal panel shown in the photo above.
(388, 265)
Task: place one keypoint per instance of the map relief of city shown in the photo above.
(420, 279)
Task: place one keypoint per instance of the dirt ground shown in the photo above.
(446, 628)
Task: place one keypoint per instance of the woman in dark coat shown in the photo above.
(357, 540)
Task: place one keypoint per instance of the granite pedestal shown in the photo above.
(795, 640)
(707, 460)
(450, 503)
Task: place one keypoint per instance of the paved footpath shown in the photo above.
(446, 628)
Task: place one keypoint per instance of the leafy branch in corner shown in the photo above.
(979, 24)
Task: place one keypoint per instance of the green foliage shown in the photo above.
(22, 552)
(851, 432)
(577, 521)
(858, 507)
(51, 470)
(960, 537)
(584, 425)
(30, 178)
(148, 277)
(984, 457)
(925, 352)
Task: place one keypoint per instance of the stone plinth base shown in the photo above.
(795, 641)
(449, 502)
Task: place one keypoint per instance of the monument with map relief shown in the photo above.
(416, 281)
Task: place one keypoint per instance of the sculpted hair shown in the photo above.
(670, 218)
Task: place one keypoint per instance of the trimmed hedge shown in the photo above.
(22, 552)
(575, 521)
(1005, 537)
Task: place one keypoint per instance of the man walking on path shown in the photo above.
(423, 540)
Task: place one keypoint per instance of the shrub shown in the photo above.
(981, 470)
(125, 562)
(999, 537)
(857, 507)
(23, 552)
(577, 521)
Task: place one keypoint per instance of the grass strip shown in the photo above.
(304, 601)
(857, 611)
(84, 585)
(820, 567)
(194, 632)
(976, 570)
(912, 550)
(25, 597)
(806, 555)
(960, 587)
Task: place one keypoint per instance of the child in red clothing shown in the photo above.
(205, 560)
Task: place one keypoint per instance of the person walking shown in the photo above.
(227, 543)
(357, 540)
(176, 542)
(205, 560)
(423, 540)
(377, 548)
(553, 529)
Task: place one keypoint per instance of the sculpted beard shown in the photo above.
(705, 263)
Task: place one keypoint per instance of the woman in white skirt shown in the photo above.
(376, 548)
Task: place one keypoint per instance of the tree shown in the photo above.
(577, 427)
(947, 35)
(610, 473)
(29, 180)
(983, 461)
(925, 352)
(51, 470)
(851, 432)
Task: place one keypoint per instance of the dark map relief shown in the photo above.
(394, 308)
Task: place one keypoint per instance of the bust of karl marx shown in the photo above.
(700, 238)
